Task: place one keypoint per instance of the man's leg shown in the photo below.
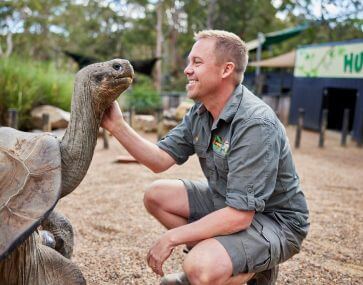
(209, 263)
(167, 201)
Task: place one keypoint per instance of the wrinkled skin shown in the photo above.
(96, 87)
(36, 264)
(61, 231)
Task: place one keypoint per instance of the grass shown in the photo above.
(25, 84)
(143, 97)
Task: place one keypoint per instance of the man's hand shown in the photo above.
(158, 253)
(112, 117)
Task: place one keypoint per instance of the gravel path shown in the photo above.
(114, 231)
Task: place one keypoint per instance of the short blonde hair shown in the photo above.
(229, 47)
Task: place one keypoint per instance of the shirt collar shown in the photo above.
(201, 109)
(230, 108)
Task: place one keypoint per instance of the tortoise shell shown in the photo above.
(30, 184)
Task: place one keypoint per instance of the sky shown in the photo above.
(344, 10)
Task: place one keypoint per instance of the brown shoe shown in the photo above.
(179, 278)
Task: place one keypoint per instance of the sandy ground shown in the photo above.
(113, 231)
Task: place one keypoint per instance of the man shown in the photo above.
(250, 214)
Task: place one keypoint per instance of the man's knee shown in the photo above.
(198, 274)
(202, 272)
(152, 195)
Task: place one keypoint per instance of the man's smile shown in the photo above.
(191, 83)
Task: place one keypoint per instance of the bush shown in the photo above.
(142, 97)
(25, 84)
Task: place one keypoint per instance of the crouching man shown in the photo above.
(250, 213)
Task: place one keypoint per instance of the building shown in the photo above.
(329, 76)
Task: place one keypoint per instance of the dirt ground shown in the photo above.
(113, 231)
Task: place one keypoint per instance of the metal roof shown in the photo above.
(277, 37)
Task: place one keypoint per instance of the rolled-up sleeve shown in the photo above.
(178, 143)
(253, 165)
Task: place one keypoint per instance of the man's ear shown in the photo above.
(228, 69)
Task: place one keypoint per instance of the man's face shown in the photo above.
(203, 72)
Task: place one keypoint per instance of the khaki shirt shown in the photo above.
(245, 156)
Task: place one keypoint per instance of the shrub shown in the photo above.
(25, 84)
(142, 97)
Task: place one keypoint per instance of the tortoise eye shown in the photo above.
(116, 66)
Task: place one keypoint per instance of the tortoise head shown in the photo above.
(105, 81)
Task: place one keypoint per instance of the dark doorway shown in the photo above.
(336, 100)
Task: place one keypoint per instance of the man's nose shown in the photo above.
(188, 70)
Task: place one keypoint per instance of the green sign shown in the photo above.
(338, 61)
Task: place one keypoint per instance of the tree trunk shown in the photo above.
(211, 14)
(9, 46)
(159, 43)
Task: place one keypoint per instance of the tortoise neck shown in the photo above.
(79, 140)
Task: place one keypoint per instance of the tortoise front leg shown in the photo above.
(57, 269)
(62, 230)
(36, 264)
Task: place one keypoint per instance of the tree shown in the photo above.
(11, 16)
(331, 20)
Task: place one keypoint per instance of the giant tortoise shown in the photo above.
(36, 170)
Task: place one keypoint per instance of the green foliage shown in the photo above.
(143, 97)
(26, 84)
(43, 29)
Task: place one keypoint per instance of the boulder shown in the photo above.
(146, 123)
(182, 109)
(58, 118)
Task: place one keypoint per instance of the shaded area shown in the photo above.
(144, 66)
(335, 100)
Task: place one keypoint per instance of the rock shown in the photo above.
(169, 114)
(165, 126)
(146, 123)
(182, 109)
(58, 118)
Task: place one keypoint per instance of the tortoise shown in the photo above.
(36, 170)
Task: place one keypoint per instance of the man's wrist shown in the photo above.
(171, 239)
(117, 126)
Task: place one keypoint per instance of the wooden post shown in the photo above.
(360, 133)
(105, 139)
(13, 118)
(46, 123)
(159, 122)
(159, 44)
(131, 115)
(323, 125)
(345, 127)
(300, 124)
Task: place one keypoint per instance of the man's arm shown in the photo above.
(221, 222)
(143, 150)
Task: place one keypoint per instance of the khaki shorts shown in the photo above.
(262, 246)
